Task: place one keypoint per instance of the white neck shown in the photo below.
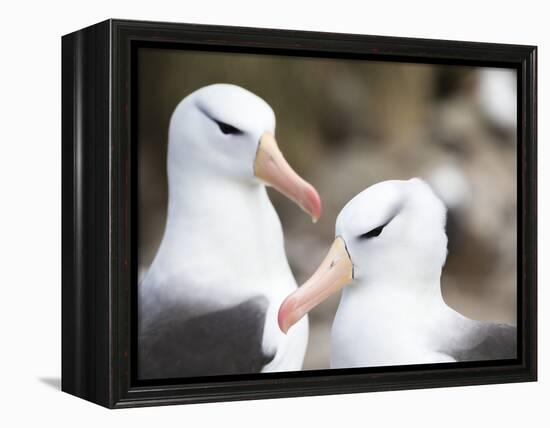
(423, 287)
(221, 232)
(388, 323)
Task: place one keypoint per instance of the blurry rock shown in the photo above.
(450, 184)
(497, 96)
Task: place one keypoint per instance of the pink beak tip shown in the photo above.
(313, 202)
(281, 318)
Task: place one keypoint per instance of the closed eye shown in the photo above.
(228, 129)
(374, 232)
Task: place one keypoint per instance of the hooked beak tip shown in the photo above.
(285, 312)
(282, 324)
(334, 272)
(273, 169)
(312, 203)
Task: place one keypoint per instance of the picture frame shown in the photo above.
(99, 182)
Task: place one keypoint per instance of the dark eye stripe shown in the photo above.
(224, 127)
(228, 129)
(374, 232)
(378, 230)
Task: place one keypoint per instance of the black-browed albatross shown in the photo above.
(208, 304)
(388, 254)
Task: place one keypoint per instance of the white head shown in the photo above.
(392, 233)
(226, 131)
(394, 229)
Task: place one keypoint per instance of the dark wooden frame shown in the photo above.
(98, 176)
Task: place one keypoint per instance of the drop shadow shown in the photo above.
(52, 382)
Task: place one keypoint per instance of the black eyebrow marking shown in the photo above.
(225, 128)
(374, 232)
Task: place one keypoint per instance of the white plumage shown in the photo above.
(221, 268)
(388, 256)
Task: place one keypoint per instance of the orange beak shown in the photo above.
(272, 168)
(335, 271)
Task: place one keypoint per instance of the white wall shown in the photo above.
(30, 214)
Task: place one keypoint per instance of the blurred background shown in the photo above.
(345, 125)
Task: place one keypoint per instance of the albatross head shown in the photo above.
(227, 131)
(392, 233)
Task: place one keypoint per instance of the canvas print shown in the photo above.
(309, 213)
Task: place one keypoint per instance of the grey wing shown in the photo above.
(227, 341)
(485, 341)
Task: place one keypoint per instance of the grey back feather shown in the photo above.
(225, 341)
(486, 341)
